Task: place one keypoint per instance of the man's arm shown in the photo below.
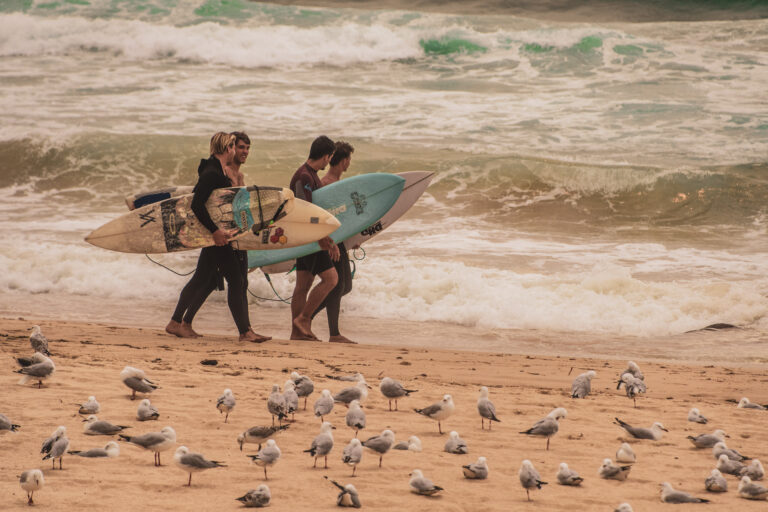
(302, 190)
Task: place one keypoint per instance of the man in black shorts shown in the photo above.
(305, 302)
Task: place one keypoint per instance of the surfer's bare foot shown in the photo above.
(296, 335)
(259, 337)
(187, 328)
(303, 326)
(341, 339)
(253, 337)
(174, 328)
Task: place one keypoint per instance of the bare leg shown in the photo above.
(303, 320)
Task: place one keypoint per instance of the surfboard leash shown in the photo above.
(278, 299)
(168, 268)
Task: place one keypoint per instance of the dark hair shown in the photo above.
(343, 150)
(241, 136)
(321, 146)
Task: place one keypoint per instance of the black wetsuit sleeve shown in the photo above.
(303, 189)
(207, 183)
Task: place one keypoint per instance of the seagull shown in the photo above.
(147, 411)
(530, 478)
(56, 446)
(486, 409)
(708, 440)
(696, 417)
(548, 426)
(380, 443)
(276, 405)
(353, 454)
(609, 471)
(191, 462)
(726, 465)
(7, 426)
(421, 485)
(357, 392)
(348, 496)
(752, 491)
(715, 482)
(455, 444)
(110, 450)
(153, 441)
(633, 370)
(720, 448)
(96, 427)
(322, 444)
(670, 495)
(136, 380)
(655, 432)
(31, 481)
(439, 411)
(268, 456)
(633, 386)
(225, 403)
(582, 385)
(477, 470)
(744, 403)
(41, 369)
(413, 443)
(324, 405)
(754, 471)
(626, 454)
(567, 476)
(89, 407)
(394, 390)
(355, 417)
(291, 398)
(258, 435)
(38, 341)
(304, 386)
(256, 498)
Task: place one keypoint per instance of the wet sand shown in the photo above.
(89, 357)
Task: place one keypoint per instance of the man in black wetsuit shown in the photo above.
(306, 302)
(222, 259)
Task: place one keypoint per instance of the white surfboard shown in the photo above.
(416, 182)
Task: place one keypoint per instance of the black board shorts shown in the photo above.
(316, 263)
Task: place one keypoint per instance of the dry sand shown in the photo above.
(89, 358)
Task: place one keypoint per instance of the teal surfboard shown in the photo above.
(357, 203)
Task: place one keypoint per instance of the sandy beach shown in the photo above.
(89, 357)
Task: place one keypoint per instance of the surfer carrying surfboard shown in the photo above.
(305, 302)
(219, 259)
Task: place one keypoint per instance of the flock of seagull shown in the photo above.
(285, 403)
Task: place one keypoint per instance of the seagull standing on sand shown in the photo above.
(744, 403)
(455, 444)
(439, 411)
(324, 405)
(7, 425)
(56, 446)
(486, 409)
(357, 392)
(137, 381)
(655, 432)
(695, 416)
(355, 417)
(715, 482)
(421, 485)
(380, 443)
(582, 385)
(394, 390)
(626, 454)
(348, 496)
(548, 426)
(147, 411)
(752, 491)
(477, 470)
(153, 441)
(304, 386)
(567, 476)
(258, 435)
(225, 403)
(610, 471)
(38, 341)
(31, 481)
(633, 370)
(322, 444)
(708, 440)
(353, 454)
(670, 495)
(633, 387)
(256, 498)
(191, 462)
(291, 398)
(267, 456)
(89, 407)
(529, 478)
(276, 405)
(41, 369)
(111, 450)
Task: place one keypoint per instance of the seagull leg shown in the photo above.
(273, 420)
(60, 461)
(315, 464)
(390, 405)
(482, 423)
(439, 428)
(528, 493)
(305, 403)
(326, 462)
(353, 469)
(133, 396)
(29, 498)
(380, 458)
(547, 443)
(265, 473)
(489, 424)
(189, 484)
(226, 417)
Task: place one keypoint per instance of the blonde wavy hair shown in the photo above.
(220, 142)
